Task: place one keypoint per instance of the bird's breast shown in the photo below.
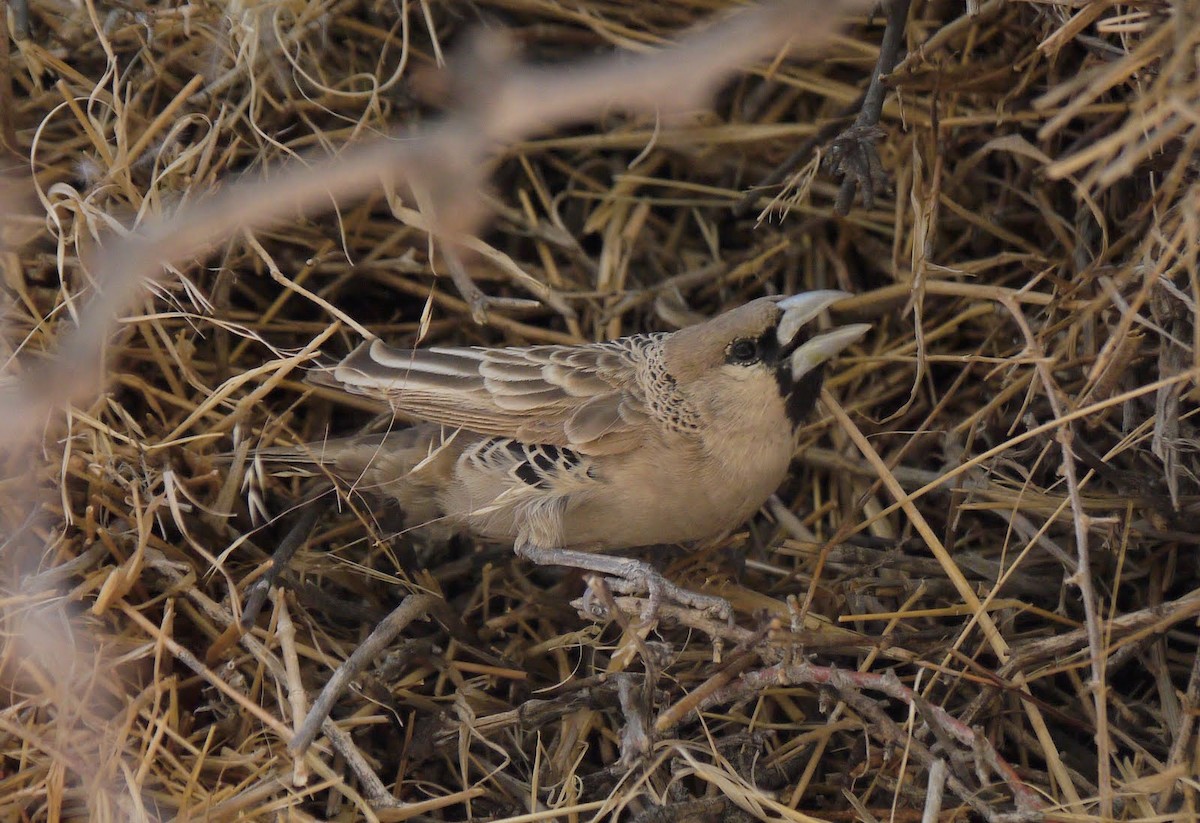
(675, 493)
(676, 488)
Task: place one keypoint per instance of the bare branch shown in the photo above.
(443, 161)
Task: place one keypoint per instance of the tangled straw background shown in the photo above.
(976, 596)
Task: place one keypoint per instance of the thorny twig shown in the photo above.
(1082, 574)
(797, 158)
(852, 154)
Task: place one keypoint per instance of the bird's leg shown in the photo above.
(628, 577)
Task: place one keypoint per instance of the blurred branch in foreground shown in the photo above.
(441, 164)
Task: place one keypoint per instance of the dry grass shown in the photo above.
(977, 596)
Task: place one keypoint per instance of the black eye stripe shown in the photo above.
(743, 351)
(746, 351)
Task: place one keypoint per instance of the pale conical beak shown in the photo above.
(800, 309)
(825, 346)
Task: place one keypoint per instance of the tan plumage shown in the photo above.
(649, 439)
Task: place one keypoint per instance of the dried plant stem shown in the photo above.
(297, 699)
(1081, 575)
(414, 607)
(848, 686)
(987, 626)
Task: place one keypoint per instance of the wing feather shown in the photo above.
(500, 370)
(585, 397)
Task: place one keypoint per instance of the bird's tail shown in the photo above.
(407, 466)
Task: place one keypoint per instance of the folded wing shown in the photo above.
(584, 397)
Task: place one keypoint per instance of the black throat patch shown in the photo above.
(799, 396)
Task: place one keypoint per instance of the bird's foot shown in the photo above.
(644, 579)
(628, 576)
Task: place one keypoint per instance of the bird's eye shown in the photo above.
(743, 351)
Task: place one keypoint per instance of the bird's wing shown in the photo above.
(585, 397)
(552, 469)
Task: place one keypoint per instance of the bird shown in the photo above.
(572, 452)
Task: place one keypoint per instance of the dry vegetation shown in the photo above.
(976, 597)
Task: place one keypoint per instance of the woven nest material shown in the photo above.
(976, 596)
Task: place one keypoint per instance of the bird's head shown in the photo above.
(748, 361)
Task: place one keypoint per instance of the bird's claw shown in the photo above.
(643, 579)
